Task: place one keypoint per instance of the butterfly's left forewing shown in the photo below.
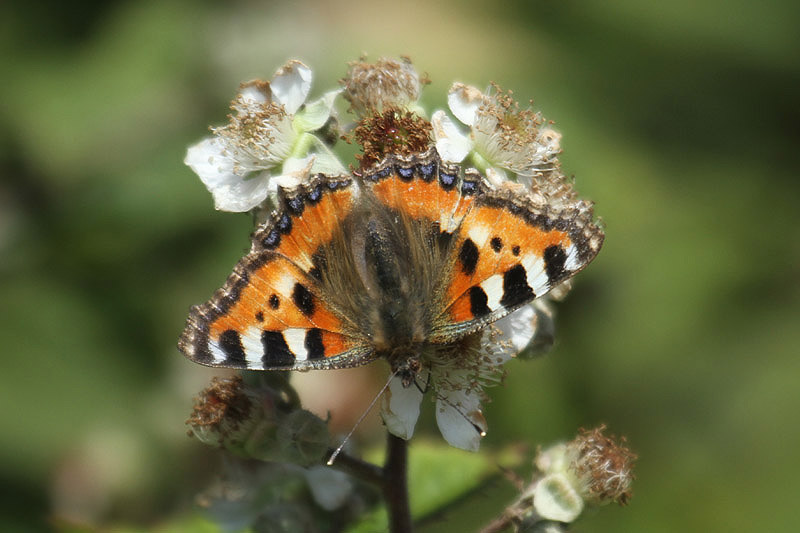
(272, 312)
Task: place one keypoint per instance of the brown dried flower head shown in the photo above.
(391, 132)
(604, 465)
(372, 88)
(220, 411)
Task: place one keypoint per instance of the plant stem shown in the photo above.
(357, 468)
(395, 487)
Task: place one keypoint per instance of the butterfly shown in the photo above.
(399, 261)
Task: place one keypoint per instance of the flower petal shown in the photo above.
(518, 328)
(254, 92)
(243, 195)
(451, 144)
(464, 101)
(327, 163)
(459, 416)
(216, 169)
(316, 113)
(209, 160)
(291, 85)
(544, 328)
(330, 488)
(400, 408)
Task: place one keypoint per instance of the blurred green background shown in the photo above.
(680, 119)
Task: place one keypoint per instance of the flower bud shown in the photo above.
(372, 88)
(591, 470)
(259, 420)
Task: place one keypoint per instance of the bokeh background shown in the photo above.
(680, 119)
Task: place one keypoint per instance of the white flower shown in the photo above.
(501, 138)
(457, 376)
(267, 138)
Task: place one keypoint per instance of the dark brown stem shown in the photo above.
(359, 469)
(395, 488)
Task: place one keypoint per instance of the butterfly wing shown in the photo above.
(504, 249)
(509, 251)
(271, 314)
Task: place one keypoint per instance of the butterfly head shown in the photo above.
(407, 370)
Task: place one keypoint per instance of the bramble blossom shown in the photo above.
(501, 138)
(267, 141)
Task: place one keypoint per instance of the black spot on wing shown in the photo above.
(276, 351)
(272, 240)
(554, 259)
(313, 344)
(260, 316)
(515, 250)
(496, 244)
(478, 302)
(468, 255)
(274, 301)
(515, 287)
(231, 344)
(303, 299)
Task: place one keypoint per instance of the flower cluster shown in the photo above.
(268, 141)
(501, 139)
(275, 139)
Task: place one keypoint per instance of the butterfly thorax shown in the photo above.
(391, 277)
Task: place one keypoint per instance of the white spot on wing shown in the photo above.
(493, 287)
(285, 284)
(479, 234)
(216, 352)
(447, 222)
(536, 274)
(295, 339)
(253, 347)
(572, 263)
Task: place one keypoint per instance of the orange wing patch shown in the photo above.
(422, 188)
(276, 295)
(311, 215)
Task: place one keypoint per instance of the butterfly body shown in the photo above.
(403, 261)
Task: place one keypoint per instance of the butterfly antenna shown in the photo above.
(361, 418)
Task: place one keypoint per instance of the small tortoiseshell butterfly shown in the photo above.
(397, 261)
